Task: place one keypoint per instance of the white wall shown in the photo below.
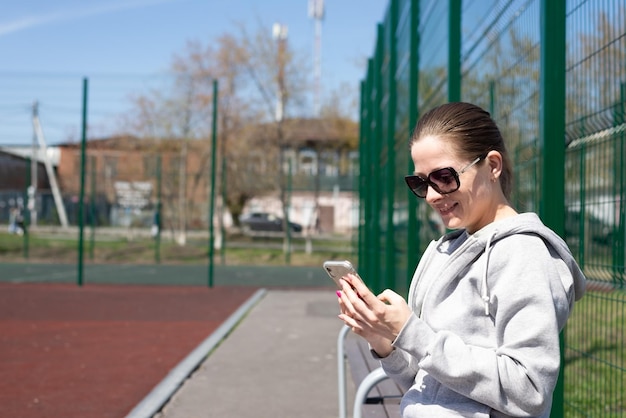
(345, 204)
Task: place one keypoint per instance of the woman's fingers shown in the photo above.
(352, 298)
(349, 321)
(359, 289)
(369, 314)
(348, 313)
(389, 297)
(359, 310)
(346, 302)
(357, 284)
(397, 311)
(363, 300)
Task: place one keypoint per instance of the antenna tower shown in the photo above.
(316, 12)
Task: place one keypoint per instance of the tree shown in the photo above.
(253, 72)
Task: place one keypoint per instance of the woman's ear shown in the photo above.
(494, 159)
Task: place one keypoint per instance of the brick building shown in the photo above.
(124, 176)
(16, 173)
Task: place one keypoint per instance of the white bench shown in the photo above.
(377, 395)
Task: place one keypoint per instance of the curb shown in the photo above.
(161, 393)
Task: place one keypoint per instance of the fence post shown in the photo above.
(363, 172)
(223, 206)
(454, 51)
(25, 213)
(81, 201)
(413, 238)
(213, 173)
(92, 209)
(287, 231)
(158, 215)
(375, 153)
(388, 279)
(552, 136)
(620, 180)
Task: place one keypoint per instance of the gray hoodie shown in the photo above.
(483, 340)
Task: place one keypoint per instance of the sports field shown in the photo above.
(98, 349)
(154, 274)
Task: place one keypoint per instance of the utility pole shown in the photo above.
(56, 193)
(34, 160)
(279, 32)
(316, 12)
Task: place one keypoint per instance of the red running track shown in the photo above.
(98, 350)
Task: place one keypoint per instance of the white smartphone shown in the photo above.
(337, 269)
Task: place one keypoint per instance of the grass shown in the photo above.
(107, 248)
(595, 373)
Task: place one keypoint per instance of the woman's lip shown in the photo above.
(447, 208)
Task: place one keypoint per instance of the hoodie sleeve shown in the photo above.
(399, 366)
(514, 366)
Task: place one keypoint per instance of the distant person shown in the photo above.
(156, 224)
(479, 335)
(16, 222)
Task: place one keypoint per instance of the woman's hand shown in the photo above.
(378, 319)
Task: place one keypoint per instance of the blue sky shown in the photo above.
(65, 40)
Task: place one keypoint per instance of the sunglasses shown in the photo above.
(443, 181)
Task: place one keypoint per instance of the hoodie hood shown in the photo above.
(527, 223)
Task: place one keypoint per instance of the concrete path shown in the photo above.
(280, 361)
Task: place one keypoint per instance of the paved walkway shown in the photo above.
(280, 361)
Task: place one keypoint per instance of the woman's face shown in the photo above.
(473, 205)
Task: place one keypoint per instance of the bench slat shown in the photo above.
(360, 366)
(375, 411)
(392, 409)
(386, 388)
(384, 398)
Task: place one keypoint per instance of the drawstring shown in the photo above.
(485, 288)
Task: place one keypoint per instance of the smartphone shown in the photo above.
(337, 269)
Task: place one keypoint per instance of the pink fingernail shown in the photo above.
(338, 292)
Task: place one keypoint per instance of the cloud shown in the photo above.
(92, 10)
(25, 23)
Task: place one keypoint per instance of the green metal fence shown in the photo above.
(553, 75)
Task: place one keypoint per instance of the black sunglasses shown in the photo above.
(444, 181)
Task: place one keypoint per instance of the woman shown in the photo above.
(479, 335)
